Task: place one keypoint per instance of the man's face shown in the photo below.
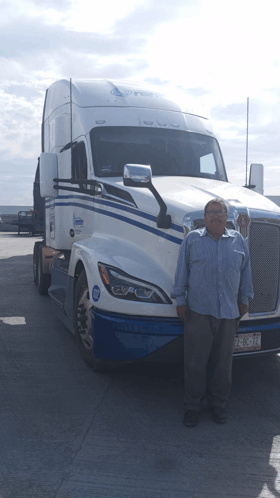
(216, 217)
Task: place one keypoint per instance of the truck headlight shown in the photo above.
(123, 286)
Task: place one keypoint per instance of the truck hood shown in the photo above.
(185, 195)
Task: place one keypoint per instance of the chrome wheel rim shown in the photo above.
(84, 320)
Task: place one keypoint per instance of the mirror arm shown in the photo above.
(163, 219)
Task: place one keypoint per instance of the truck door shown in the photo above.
(82, 204)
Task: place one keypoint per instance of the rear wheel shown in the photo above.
(35, 261)
(43, 279)
(83, 323)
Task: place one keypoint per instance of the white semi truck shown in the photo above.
(125, 174)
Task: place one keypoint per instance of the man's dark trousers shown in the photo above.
(208, 350)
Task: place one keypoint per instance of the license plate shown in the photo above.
(247, 342)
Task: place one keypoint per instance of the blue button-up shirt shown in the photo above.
(213, 276)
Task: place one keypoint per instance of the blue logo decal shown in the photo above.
(120, 92)
(77, 221)
(95, 293)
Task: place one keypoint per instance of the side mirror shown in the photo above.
(48, 171)
(256, 178)
(137, 175)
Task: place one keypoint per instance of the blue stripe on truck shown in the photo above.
(128, 209)
(120, 217)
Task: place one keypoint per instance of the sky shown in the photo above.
(211, 55)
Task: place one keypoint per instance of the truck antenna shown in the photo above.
(71, 137)
(247, 141)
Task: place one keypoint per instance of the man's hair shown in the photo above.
(220, 201)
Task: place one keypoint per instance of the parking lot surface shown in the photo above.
(68, 432)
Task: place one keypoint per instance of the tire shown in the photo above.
(35, 261)
(43, 279)
(83, 324)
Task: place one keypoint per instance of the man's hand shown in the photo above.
(182, 312)
(243, 308)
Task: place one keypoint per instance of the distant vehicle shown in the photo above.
(25, 222)
(125, 174)
(32, 221)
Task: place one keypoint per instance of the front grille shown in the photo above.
(270, 340)
(264, 247)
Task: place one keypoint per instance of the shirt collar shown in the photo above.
(226, 234)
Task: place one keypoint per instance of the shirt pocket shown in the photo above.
(236, 260)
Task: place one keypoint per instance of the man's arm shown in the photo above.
(182, 312)
(181, 281)
(246, 291)
(243, 308)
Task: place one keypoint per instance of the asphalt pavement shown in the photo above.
(68, 432)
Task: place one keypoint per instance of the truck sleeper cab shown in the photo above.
(125, 175)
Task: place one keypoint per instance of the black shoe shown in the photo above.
(219, 415)
(190, 418)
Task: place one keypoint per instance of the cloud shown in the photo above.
(62, 5)
(236, 111)
(35, 50)
(20, 118)
(230, 124)
(16, 180)
(262, 148)
(145, 19)
(157, 81)
(196, 92)
(34, 37)
(185, 47)
(31, 34)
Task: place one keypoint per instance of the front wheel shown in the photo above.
(43, 279)
(83, 323)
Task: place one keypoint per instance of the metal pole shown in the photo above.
(247, 140)
(71, 137)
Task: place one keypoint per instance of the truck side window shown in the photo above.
(207, 164)
(79, 162)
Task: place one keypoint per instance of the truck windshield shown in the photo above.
(168, 152)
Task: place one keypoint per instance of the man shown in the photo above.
(213, 286)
